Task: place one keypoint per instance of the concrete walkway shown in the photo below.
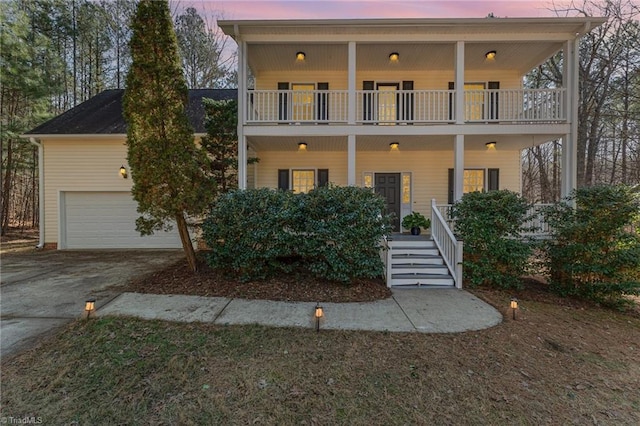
(408, 310)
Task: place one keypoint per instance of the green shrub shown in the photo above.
(490, 224)
(331, 232)
(591, 253)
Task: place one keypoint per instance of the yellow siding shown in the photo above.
(433, 80)
(429, 169)
(80, 165)
(271, 161)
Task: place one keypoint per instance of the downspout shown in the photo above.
(40, 190)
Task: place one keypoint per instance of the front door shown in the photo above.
(388, 185)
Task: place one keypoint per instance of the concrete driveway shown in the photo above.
(41, 291)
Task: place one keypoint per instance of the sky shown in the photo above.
(333, 9)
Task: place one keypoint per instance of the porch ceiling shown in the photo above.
(519, 56)
(407, 143)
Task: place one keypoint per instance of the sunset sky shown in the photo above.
(325, 9)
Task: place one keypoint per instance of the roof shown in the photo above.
(573, 26)
(102, 114)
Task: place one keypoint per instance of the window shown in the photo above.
(302, 102)
(387, 103)
(473, 180)
(476, 180)
(302, 181)
(474, 101)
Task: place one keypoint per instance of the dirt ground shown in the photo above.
(178, 279)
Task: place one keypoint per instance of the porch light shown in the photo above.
(302, 146)
(490, 145)
(300, 56)
(490, 55)
(318, 313)
(123, 172)
(394, 146)
(394, 56)
(89, 307)
(514, 306)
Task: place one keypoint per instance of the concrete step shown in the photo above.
(422, 280)
(409, 268)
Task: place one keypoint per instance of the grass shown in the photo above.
(555, 365)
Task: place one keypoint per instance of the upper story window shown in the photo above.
(474, 101)
(302, 102)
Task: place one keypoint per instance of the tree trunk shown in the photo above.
(186, 242)
(6, 189)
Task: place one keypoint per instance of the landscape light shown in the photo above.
(319, 313)
(514, 306)
(89, 307)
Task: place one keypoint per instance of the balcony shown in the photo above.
(420, 107)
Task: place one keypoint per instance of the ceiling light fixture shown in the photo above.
(490, 145)
(394, 146)
(394, 56)
(300, 56)
(302, 146)
(490, 55)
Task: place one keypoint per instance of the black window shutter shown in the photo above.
(494, 179)
(493, 100)
(283, 102)
(367, 108)
(450, 185)
(323, 103)
(283, 179)
(452, 86)
(407, 103)
(323, 177)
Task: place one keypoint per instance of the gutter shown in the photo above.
(40, 190)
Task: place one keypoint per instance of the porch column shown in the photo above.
(570, 140)
(459, 82)
(351, 96)
(242, 140)
(351, 160)
(458, 167)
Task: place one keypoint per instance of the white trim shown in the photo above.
(41, 219)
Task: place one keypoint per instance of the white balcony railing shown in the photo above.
(404, 106)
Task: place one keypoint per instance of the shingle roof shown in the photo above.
(102, 114)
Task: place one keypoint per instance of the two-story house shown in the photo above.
(422, 110)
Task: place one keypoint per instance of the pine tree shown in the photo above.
(166, 165)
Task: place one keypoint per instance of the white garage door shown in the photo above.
(107, 220)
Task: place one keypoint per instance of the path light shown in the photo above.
(514, 306)
(123, 172)
(89, 307)
(319, 313)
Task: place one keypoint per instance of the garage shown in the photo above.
(106, 220)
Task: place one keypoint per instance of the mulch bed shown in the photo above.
(178, 279)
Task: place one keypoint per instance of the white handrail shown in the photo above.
(449, 246)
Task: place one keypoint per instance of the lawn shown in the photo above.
(557, 364)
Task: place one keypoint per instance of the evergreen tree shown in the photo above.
(166, 166)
